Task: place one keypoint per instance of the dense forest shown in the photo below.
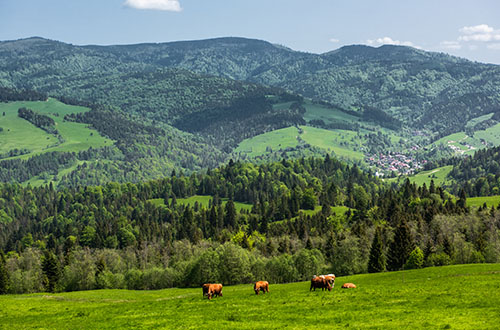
(420, 89)
(479, 174)
(307, 216)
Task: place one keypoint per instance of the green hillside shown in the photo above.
(202, 201)
(210, 100)
(439, 175)
(463, 297)
(21, 134)
(341, 143)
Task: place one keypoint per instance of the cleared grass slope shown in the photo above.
(452, 297)
(19, 133)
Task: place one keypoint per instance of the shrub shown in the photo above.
(438, 259)
(416, 259)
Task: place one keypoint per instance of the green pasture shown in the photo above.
(328, 115)
(480, 139)
(490, 135)
(19, 133)
(439, 175)
(274, 140)
(474, 121)
(479, 201)
(338, 210)
(341, 142)
(451, 297)
(202, 201)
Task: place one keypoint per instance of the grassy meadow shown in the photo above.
(439, 175)
(19, 133)
(202, 201)
(479, 201)
(343, 143)
(451, 297)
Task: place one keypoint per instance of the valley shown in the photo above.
(161, 161)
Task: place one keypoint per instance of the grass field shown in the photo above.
(275, 140)
(451, 297)
(479, 201)
(19, 133)
(202, 201)
(341, 142)
(332, 141)
(328, 115)
(439, 175)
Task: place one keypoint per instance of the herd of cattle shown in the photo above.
(323, 282)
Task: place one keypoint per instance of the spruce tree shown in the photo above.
(4, 276)
(50, 270)
(230, 215)
(376, 263)
(400, 247)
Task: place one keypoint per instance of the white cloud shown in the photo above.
(481, 28)
(390, 41)
(493, 46)
(451, 45)
(168, 5)
(334, 40)
(479, 33)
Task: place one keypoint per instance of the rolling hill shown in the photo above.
(226, 93)
(409, 299)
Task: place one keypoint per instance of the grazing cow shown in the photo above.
(214, 290)
(205, 289)
(348, 286)
(261, 285)
(330, 278)
(320, 282)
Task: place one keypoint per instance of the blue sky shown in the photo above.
(465, 28)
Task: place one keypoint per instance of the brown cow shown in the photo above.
(261, 285)
(330, 278)
(348, 286)
(320, 282)
(214, 290)
(205, 289)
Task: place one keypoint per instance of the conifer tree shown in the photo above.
(400, 247)
(50, 270)
(376, 263)
(230, 215)
(4, 276)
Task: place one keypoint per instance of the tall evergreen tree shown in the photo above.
(230, 215)
(400, 247)
(50, 270)
(4, 276)
(376, 263)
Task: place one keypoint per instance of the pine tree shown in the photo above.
(376, 262)
(400, 247)
(230, 215)
(50, 270)
(4, 276)
(462, 199)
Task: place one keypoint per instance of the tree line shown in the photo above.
(355, 224)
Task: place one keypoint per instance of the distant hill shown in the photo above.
(224, 91)
(422, 89)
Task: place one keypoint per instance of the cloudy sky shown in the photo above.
(469, 29)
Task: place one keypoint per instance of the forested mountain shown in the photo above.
(304, 216)
(420, 88)
(193, 102)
